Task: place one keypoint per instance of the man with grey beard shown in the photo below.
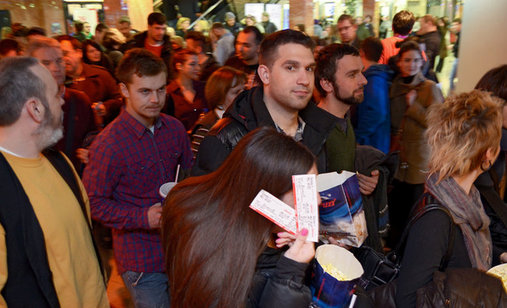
(48, 256)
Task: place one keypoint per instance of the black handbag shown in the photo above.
(380, 269)
(384, 295)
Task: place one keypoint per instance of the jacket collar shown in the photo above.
(249, 108)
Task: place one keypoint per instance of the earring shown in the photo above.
(486, 169)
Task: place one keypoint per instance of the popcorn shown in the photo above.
(333, 271)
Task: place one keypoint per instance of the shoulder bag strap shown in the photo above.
(429, 203)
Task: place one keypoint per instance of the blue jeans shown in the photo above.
(147, 289)
(454, 72)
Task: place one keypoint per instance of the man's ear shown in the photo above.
(124, 90)
(326, 85)
(264, 73)
(35, 109)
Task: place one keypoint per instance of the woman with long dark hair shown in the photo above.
(92, 54)
(219, 252)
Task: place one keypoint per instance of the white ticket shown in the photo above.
(306, 205)
(275, 210)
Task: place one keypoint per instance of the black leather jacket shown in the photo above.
(278, 282)
(246, 114)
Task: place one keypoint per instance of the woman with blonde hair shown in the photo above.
(463, 135)
(182, 26)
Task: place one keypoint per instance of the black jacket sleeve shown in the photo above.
(282, 288)
(426, 245)
(212, 153)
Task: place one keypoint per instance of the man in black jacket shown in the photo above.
(286, 69)
(430, 37)
(154, 39)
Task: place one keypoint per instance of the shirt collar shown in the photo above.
(299, 131)
(136, 126)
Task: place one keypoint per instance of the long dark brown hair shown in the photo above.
(210, 237)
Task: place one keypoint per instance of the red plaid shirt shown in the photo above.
(128, 164)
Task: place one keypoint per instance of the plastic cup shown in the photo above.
(166, 188)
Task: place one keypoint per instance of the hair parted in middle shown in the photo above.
(461, 130)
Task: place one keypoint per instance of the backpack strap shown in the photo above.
(65, 170)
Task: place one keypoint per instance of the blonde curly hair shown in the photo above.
(461, 130)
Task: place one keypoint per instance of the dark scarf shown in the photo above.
(467, 212)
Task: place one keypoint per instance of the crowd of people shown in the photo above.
(226, 110)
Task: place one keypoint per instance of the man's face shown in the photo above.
(86, 28)
(71, 56)
(349, 81)
(124, 28)
(99, 36)
(231, 21)
(265, 18)
(193, 45)
(51, 127)
(52, 59)
(145, 97)
(156, 32)
(347, 31)
(246, 47)
(455, 27)
(289, 80)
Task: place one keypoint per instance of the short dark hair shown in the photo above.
(141, 62)
(495, 81)
(17, 84)
(7, 45)
(327, 63)
(156, 18)
(458, 20)
(345, 17)
(270, 44)
(252, 29)
(372, 48)
(217, 25)
(101, 27)
(403, 22)
(78, 26)
(76, 44)
(36, 31)
(196, 36)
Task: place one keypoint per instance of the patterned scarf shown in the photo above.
(467, 212)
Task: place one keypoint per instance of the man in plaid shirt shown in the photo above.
(129, 160)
